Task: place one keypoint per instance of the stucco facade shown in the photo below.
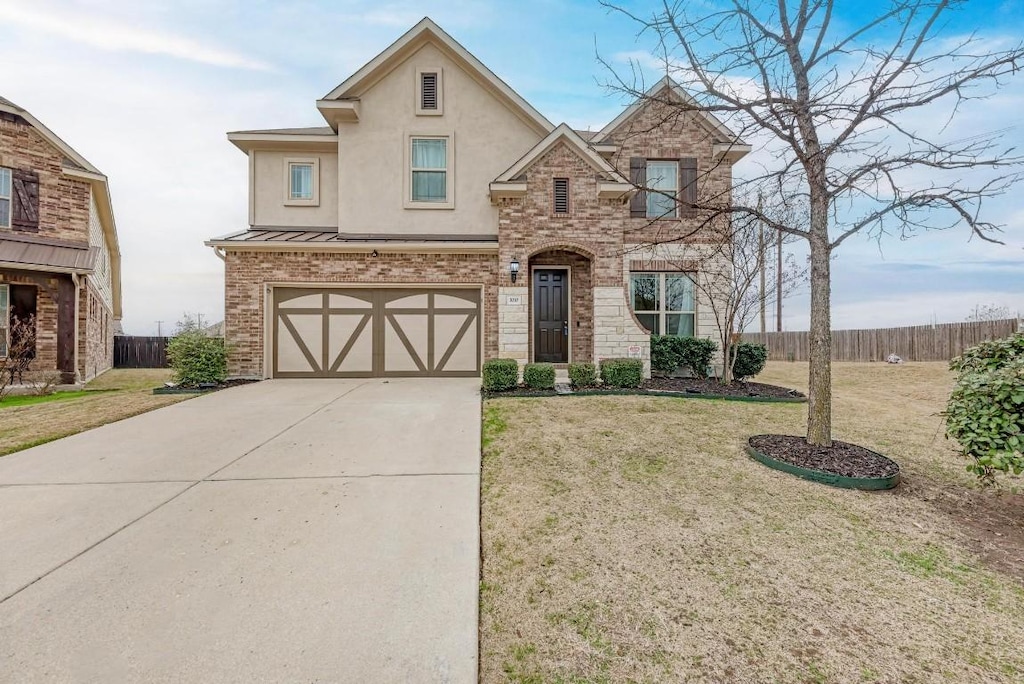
(508, 189)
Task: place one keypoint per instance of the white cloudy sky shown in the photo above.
(147, 90)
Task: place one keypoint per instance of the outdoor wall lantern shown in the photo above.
(513, 269)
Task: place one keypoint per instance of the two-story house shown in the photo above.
(439, 220)
(59, 258)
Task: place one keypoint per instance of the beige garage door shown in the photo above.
(357, 333)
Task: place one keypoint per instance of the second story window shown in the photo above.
(5, 198)
(302, 182)
(429, 170)
(663, 185)
(666, 188)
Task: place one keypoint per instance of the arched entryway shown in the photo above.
(561, 306)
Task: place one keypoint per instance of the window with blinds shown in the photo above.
(561, 196)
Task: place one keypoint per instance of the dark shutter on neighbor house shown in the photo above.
(561, 196)
(428, 91)
(638, 177)
(687, 186)
(24, 200)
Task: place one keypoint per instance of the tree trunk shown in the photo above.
(819, 407)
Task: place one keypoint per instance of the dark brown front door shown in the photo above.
(550, 316)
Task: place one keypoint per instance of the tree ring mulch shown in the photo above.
(841, 465)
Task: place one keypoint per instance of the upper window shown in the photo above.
(429, 93)
(429, 167)
(5, 318)
(5, 197)
(560, 196)
(302, 182)
(663, 186)
(664, 302)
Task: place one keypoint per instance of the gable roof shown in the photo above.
(715, 124)
(570, 137)
(77, 166)
(426, 31)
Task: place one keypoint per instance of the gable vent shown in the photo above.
(428, 91)
(561, 195)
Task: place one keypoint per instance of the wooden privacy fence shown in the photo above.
(140, 352)
(939, 342)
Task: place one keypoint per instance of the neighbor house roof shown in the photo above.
(77, 166)
(343, 100)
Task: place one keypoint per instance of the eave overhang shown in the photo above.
(273, 141)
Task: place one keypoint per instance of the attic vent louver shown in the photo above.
(561, 195)
(428, 91)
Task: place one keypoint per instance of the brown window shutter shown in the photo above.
(25, 200)
(687, 185)
(561, 196)
(638, 177)
(428, 87)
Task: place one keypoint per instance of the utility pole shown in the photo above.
(159, 329)
(778, 287)
(762, 257)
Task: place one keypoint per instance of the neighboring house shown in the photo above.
(59, 259)
(440, 220)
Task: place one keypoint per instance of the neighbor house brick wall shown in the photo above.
(95, 332)
(64, 202)
(46, 315)
(248, 272)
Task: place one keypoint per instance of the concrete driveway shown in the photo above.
(286, 531)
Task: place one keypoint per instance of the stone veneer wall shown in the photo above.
(247, 273)
(64, 203)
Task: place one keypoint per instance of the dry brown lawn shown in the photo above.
(629, 539)
(128, 393)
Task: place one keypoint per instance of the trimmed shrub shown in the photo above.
(539, 375)
(501, 375)
(668, 353)
(582, 374)
(622, 372)
(750, 359)
(985, 412)
(197, 358)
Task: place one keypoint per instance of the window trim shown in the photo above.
(662, 312)
(9, 196)
(554, 196)
(313, 201)
(439, 110)
(675, 214)
(449, 183)
(5, 320)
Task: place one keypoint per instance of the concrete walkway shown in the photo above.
(287, 531)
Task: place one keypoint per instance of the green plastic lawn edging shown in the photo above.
(649, 393)
(830, 479)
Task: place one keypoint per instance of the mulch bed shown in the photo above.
(847, 460)
(201, 389)
(694, 386)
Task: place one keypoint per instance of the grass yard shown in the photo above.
(29, 421)
(630, 539)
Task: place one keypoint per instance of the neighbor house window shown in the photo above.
(664, 303)
(429, 92)
(5, 198)
(429, 170)
(663, 185)
(302, 182)
(560, 199)
(5, 318)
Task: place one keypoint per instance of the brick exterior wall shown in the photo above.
(95, 333)
(247, 273)
(64, 203)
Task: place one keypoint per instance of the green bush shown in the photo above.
(197, 358)
(622, 372)
(669, 353)
(501, 375)
(539, 375)
(582, 374)
(750, 359)
(985, 412)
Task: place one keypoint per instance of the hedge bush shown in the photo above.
(985, 412)
(501, 375)
(582, 374)
(669, 353)
(622, 372)
(750, 359)
(196, 358)
(539, 375)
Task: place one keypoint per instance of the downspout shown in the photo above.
(78, 297)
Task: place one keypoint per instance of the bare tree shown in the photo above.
(19, 353)
(990, 312)
(843, 112)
